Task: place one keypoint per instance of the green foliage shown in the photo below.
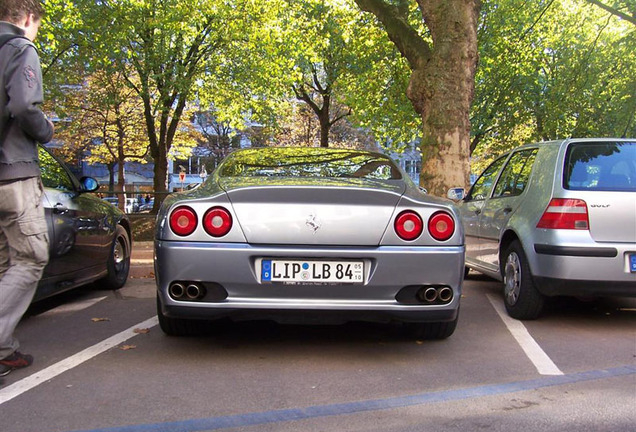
(550, 70)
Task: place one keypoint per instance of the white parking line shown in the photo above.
(537, 356)
(73, 307)
(25, 384)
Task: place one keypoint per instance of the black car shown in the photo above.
(90, 239)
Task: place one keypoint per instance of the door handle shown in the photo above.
(60, 208)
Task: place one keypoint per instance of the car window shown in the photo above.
(603, 166)
(515, 175)
(482, 187)
(53, 173)
(309, 162)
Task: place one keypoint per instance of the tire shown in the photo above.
(177, 326)
(522, 299)
(118, 264)
(433, 330)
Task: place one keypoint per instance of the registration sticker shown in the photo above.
(632, 263)
(281, 270)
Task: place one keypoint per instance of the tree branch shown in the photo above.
(614, 11)
(407, 40)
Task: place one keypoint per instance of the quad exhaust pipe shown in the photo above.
(188, 291)
(435, 294)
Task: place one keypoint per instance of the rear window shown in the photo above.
(310, 162)
(602, 166)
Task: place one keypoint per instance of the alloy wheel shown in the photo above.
(119, 254)
(512, 278)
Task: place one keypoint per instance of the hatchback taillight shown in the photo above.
(408, 225)
(565, 214)
(217, 222)
(183, 221)
(441, 226)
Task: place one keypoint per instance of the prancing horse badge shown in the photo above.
(313, 223)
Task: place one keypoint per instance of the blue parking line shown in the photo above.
(285, 415)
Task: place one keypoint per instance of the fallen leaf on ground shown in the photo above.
(100, 319)
(141, 330)
(127, 347)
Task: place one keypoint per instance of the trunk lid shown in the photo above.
(612, 216)
(603, 174)
(313, 211)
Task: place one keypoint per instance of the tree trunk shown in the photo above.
(121, 183)
(325, 126)
(442, 82)
(111, 176)
(160, 181)
(442, 90)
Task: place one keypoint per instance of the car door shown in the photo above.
(76, 235)
(471, 208)
(502, 204)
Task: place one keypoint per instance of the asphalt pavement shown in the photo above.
(103, 365)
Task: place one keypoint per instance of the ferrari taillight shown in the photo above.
(217, 222)
(441, 226)
(565, 214)
(408, 225)
(183, 221)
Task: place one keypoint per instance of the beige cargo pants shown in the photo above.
(24, 251)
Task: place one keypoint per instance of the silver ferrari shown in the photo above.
(309, 235)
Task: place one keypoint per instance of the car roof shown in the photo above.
(567, 141)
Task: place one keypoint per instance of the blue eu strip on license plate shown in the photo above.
(632, 263)
(266, 270)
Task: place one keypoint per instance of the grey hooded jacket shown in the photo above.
(22, 122)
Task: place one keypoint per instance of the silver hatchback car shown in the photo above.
(555, 218)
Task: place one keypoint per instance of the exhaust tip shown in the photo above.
(176, 291)
(428, 295)
(193, 292)
(445, 294)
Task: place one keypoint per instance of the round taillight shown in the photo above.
(441, 226)
(408, 225)
(183, 221)
(217, 222)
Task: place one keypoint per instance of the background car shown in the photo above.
(308, 234)
(555, 218)
(90, 239)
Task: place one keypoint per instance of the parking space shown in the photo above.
(101, 363)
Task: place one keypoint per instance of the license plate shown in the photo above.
(632, 263)
(312, 271)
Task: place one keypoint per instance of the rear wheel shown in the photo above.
(178, 326)
(522, 299)
(118, 264)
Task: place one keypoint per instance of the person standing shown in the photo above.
(24, 243)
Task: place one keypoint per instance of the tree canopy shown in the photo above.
(402, 71)
(550, 70)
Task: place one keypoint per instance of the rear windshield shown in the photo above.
(602, 166)
(309, 162)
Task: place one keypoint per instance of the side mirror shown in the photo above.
(456, 194)
(88, 184)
